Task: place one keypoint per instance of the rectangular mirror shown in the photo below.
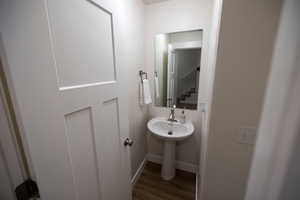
(177, 69)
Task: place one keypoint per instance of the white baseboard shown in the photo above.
(197, 186)
(178, 164)
(138, 172)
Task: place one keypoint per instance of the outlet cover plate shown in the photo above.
(247, 135)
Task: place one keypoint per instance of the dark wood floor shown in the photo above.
(151, 186)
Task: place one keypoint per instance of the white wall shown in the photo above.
(175, 16)
(133, 43)
(242, 70)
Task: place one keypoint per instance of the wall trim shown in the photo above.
(197, 186)
(185, 166)
(138, 172)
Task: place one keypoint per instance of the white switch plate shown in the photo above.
(247, 135)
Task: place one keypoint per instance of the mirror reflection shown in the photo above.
(177, 68)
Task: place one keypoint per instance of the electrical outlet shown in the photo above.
(247, 135)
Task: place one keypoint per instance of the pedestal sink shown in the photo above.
(170, 132)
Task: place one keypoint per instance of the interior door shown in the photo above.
(175, 76)
(171, 67)
(62, 59)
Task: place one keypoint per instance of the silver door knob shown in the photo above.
(128, 142)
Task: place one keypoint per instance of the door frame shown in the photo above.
(14, 115)
(11, 150)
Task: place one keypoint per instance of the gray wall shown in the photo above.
(138, 116)
(246, 41)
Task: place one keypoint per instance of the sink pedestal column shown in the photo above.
(168, 165)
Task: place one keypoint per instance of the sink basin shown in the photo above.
(169, 132)
(164, 129)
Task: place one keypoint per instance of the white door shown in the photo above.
(61, 56)
(171, 71)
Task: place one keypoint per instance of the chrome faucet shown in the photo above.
(172, 114)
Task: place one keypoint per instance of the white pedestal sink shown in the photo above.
(170, 132)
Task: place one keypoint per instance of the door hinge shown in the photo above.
(27, 190)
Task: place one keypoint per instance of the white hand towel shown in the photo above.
(141, 94)
(156, 87)
(146, 92)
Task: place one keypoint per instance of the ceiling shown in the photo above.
(153, 1)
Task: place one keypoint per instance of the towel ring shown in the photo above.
(142, 73)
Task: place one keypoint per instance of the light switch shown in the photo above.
(247, 135)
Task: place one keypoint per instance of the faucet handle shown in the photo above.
(174, 106)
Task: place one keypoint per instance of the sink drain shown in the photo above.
(170, 133)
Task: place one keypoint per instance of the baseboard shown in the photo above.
(197, 186)
(178, 164)
(138, 172)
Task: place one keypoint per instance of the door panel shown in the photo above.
(82, 34)
(81, 141)
(109, 143)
